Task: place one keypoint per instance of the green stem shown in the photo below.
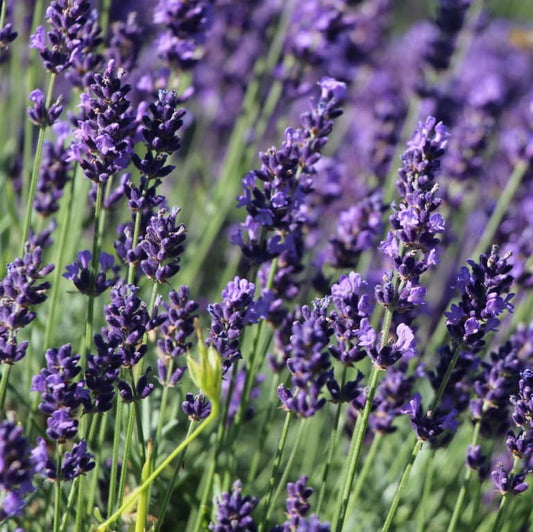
(57, 500)
(3, 386)
(418, 444)
(355, 450)
(182, 446)
(168, 492)
(127, 448)
(35, 170)
(70, 503)
(287, 468)
(275, 468)
(265, 428)
(401, 486)
(501, 207)
(428, 484)
(104, 18)
(114, 462)
(367, 466)
(332, 446)
(466, 479)
(496, 527)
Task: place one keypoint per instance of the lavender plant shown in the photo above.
(184, 338)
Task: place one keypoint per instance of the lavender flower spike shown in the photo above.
(233, 511)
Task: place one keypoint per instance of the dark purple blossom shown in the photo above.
(196, 407)
(234, 511)
(229, 317)
(275, 195)
(77, 462)
(128, 320)
(102, 144)
(505, 482)
(54, 173)
(20, 290)
(429, 426)
(142, 389)
(298, 507)
(236, 387)
(162, 245)
(67, 19)
(160, 132)
(523, 401)
(16, 469)
(125, 42)
(79, 272)
(477, 461)
(7, 36)
(411, 242)
(102, 373)
(356, 231)
(350, 319)
(309, 362)
(39, 114)
(483, 298)
(186, 24)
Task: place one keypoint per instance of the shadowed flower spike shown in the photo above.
(233, 511)
(79, 273)
(505, 482)
(196, 407)
(483, 298)
(429, 427)
(386, 356)
(16, 469)
(39, 114)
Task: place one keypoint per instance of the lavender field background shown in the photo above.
(266, 266)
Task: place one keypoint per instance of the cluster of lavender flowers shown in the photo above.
(372, 275)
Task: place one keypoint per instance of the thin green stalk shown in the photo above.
(418, 444)
(355, 450)
(287, 468)
(98, 462)
(104, 18)
(127, 449)
(363, 474)
(401, 486)
(87, 343)
(114, 460)
(332, 446)
(504, 199)
(172, 485)
(57, 500)
(135, 412)
(181, 447)
(428, 484)
(35, 170)
(464, 485)
(265, 428)
(3, 386)
(496, 527)
(275, 468)
(144, 501)
(70, 503)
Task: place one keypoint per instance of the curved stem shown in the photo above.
(114, 461)
(355, 450)
(363, 474)
(275, 468)
(181, 447)
(172, 485)
(35, 170)
(428, 480)
(464, 485)
(401, 486)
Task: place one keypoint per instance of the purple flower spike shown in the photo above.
(484, 297)
(412, 242)
(77, 462)
(507, 482)
(79, 273)
(196, 407)
(233, 511)
(102, 142)
(39, 114)
(16, 469)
